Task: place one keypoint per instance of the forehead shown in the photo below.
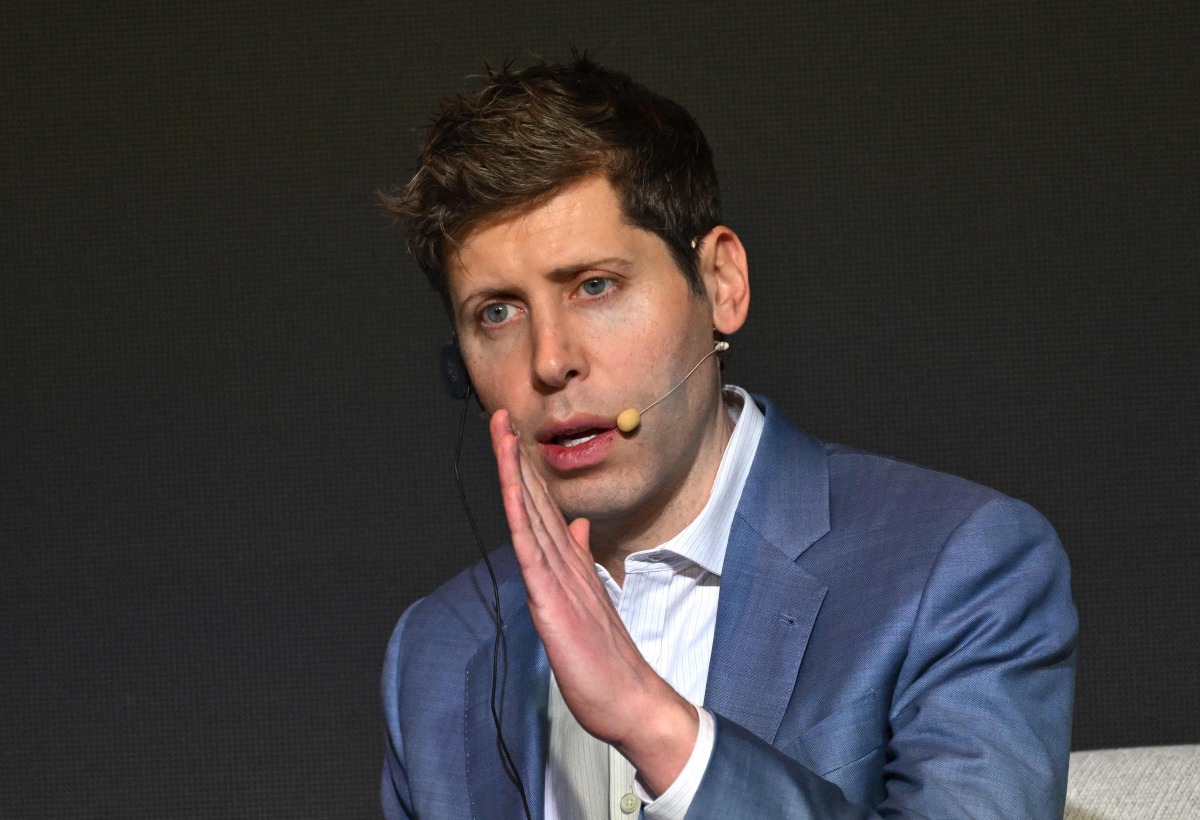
(580, 221)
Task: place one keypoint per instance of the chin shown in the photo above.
(592, 508)
(616, 501)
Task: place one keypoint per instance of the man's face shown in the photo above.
(566, 316)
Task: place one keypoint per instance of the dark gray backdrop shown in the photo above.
(224, 456)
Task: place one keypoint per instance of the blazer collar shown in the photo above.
(786, 498)
(768, 605)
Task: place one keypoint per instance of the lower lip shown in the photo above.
(587, 454)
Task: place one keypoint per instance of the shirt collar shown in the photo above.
(703, 540)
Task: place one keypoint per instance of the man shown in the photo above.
(712, 614)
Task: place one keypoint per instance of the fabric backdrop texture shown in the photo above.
(225, 456)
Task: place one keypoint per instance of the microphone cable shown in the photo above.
(499, 647)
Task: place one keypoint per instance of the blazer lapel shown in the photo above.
(522, 691)
(768, 605)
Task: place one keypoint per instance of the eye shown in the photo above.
(497, 313)
(596, 285)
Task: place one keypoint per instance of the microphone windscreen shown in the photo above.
(629, 420)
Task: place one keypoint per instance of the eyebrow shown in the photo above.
(571, 271)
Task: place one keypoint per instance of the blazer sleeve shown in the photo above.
(979, 720)
(393, 789)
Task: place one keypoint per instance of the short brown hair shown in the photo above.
(529, 132)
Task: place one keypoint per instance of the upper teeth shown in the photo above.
(571, 442)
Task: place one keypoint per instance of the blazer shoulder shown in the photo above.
(461, 608)
(803, 491)
(872, 489)
(911, 513)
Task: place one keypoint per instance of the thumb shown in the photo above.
(581, 531)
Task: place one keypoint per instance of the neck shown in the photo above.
(614, 540)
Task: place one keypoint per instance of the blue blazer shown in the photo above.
(890, 641)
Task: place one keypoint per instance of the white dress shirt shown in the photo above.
(669, 606)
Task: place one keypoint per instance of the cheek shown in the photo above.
(492, 374)
(491, 397)
(640, 337)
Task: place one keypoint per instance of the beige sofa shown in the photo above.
(1156, 782)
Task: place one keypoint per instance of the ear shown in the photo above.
(726, 278)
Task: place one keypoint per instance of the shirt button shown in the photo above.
(630, 803)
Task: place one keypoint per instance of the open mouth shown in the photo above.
(577, 438)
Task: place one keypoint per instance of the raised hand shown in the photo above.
(606, 683)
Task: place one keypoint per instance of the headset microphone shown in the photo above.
(630, 419)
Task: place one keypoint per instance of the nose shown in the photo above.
(557, 357)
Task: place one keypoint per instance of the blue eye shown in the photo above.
(497, 313)
(595, 286)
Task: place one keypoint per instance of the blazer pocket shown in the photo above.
(841, 737)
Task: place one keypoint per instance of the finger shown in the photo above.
(557, 523)
(581, 531)
(554, 541)
(514, 471)
(540, 499)
(545, 517)
(502, 441)
(516, 510)
(533, 513)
